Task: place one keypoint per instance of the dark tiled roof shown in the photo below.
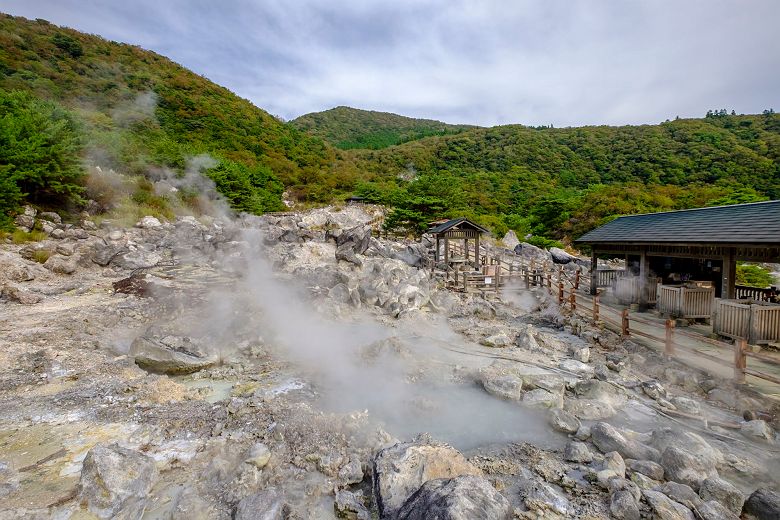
(755, 223)
(441, 228)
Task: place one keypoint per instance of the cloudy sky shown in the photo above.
(487, 62)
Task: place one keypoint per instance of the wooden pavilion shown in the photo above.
(456, 229)
(702, 244)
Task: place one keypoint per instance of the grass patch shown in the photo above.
(41, 255)
(23, 237)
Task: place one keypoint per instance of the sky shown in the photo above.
(485, 62)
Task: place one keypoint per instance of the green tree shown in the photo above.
(40, 149)
(249, 189)
(754, 276)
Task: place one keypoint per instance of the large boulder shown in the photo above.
(722, 491)
(170, 354)
(401, 469)
(60, 264)
(624, 506)
(763, 504)
(266, 505)
(680, 493)
(684, 467)
(460, 498)
(510, 240)
(714, 510)
(543, 499)
(607, 438)
(352, 242)
(115, 481)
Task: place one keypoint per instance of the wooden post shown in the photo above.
(573, 301)
(476, 249)
(577, 280)
(728, 275)
(447, 251)
(498, 277)
(549, 282)
(594, 275)
(596, 308)
(560, 292)
(436, 256)
(740, 360)
(624, 329)
(669, 344)
(527, 279)
(642, 279)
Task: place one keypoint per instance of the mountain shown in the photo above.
(138, 112)
(351, 128)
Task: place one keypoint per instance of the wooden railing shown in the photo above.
(757, 322)
(743, 292)
(607, 277)
(685, 302)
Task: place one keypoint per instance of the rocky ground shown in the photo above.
(295, 367)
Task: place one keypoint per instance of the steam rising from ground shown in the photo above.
(402, 376)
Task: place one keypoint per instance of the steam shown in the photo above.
(405, 377)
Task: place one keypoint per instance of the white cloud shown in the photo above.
(485, 62)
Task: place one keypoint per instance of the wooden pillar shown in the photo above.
(446, 250)
(476, 249)
(643, 272)
(594, 275)
(438, 252)
(728, 275)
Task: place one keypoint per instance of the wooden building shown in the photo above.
(694, 246)
(456, 229)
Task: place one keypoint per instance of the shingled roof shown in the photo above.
(754, 223)
(441, 228)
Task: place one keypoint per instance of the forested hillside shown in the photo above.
(561, 182)
(137, 112)
(351, 128)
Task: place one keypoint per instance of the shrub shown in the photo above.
(39, 154)
(754, 276)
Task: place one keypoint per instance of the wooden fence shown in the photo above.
(757, 322)
(744, 292)
(685, 302)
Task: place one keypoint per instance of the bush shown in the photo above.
(754, 276)
(545, 243)
(41, 255)
(39, 154)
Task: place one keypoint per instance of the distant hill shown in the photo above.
(351, 128)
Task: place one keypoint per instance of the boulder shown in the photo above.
(684, 404)
(684, 467)
(138, 259)
(50, 216)
(648, 468)
(559, 256)
(576, 367)
(401, 469)
(510, 240)
(188, 505)
(664, 508)
(714, 510)
(149, 222)
(19, 295)
(541, 398)
(115, 481)
(680, 493)
(351, 505)
(540, 497)
(623, 505)
(460, 498)
(504, 386)
(695, 444)
(60, 264)
(762, 504)
(499, 340)
(757, 429)
(170, 355)
(259, 455)
(722, 491)
(563, 421)
(103, 253)
(266, 505)
(653, 389)
(576, 451)
(607, 438)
